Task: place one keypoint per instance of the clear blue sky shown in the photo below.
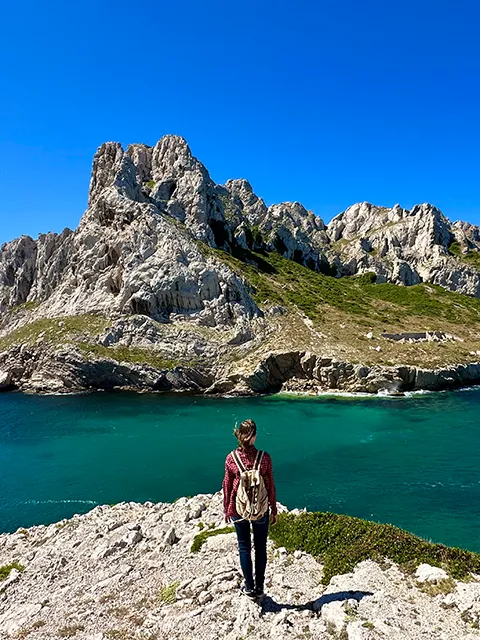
(325, 102)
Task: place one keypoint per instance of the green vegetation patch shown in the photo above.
(150, 184)
(228, 207)
(53, 333)
(118, 634)
(277, 280)
(6, 568)
(340, 542)
(122, 353)
(471, 258)
(257, 235)
(168, 594)
(74, 329)
(444, 586)
(25, 306)
(200, 538)
(70, 630)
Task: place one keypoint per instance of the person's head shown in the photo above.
(246, 433)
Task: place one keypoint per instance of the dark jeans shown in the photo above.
(260, 533)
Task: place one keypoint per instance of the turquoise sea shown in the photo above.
(413, 461)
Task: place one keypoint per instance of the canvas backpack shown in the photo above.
(252, 498)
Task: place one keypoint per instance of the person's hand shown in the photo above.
(228, 520)
(273, 518)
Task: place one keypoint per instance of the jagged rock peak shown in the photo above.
(239, 185)
(175, 151)
(141, 156)
(139, 164)
(298, 214)
(467, 234)
(364, 218)
(106, 164)
(31, 269)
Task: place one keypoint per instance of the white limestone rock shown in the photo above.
(403, 246)
(5, 379)
(142, 257)
(296, 233)
(427, 573)
(145, 590)
(13, 576)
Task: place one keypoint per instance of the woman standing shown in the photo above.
(237, 465)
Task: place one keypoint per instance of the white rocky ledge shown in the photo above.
(127, 571)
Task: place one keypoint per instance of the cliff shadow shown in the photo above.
(269, 605)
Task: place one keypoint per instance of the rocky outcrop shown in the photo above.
(147, 246)
(129, 255)
(5, 381)
(304, 371)
(128, 570)
(181, 360)
(67, 369)
(404, 246)
(136, 248)
(17, 268)
(468, 235)
(297, 234)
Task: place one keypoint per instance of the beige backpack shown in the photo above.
(252, 498)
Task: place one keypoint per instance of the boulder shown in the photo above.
(427, 573)
(5, 380)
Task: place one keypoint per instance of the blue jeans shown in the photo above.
(260, 533)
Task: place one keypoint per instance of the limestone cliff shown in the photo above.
(173, 281)
(406, 247)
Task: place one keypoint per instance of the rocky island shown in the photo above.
(158, 571)
(173, 282)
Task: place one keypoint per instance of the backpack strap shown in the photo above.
(258, 460)
(238, 461)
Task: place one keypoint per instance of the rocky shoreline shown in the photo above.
(67, 370)
(127, 571)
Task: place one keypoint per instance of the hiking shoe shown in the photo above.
(259, 593)
(250, 593)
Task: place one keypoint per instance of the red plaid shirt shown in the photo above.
(232, 479)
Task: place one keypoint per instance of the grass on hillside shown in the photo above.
(201, 538)
(54, 333)
(277, 280)
(340, 542)
(6, 568)
(122, 353)
(73, 331)
(472, 258)
(168, 594)
(26, 306)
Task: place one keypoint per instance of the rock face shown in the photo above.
(304, 371)
(135, 249)
(129, 254)
(405, 247)
(67, 368)
(146, 252)
(297, 234)
(127, 570)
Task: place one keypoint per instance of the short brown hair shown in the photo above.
(245, 432)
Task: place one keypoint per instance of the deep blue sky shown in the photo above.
(326, 102)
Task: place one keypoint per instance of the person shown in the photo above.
(246, 435)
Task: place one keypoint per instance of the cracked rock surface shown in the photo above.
(127, 571)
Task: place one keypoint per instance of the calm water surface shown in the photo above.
(413, 462)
